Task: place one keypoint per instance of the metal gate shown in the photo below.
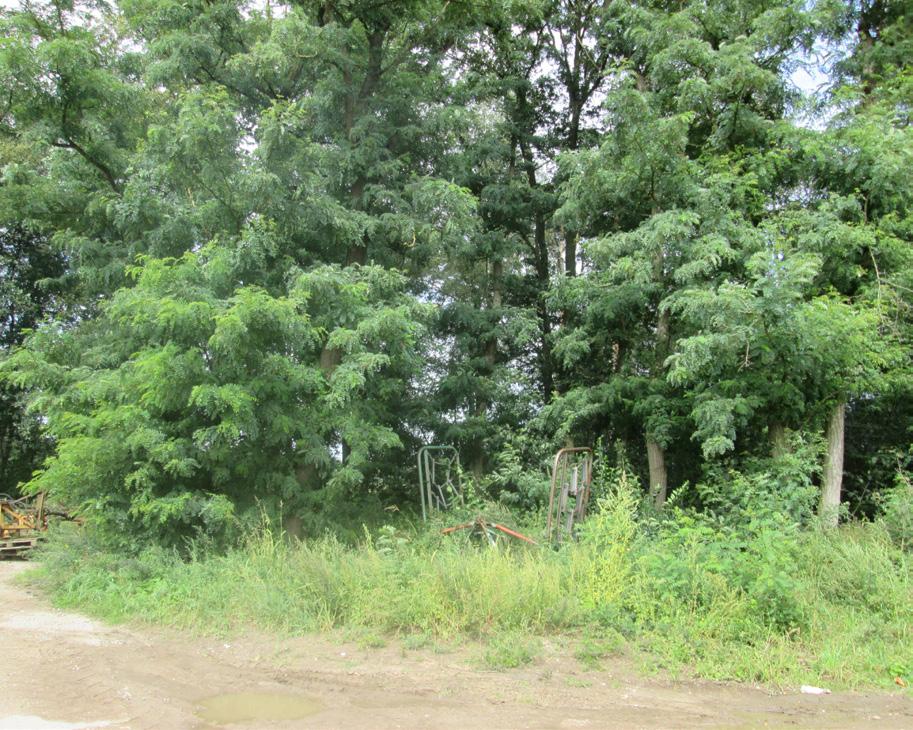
(572, 477)
(438, 478)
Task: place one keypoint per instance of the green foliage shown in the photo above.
(592, 650)
(703, 566)
(897, 512)
(429, 584)
(30, 290)
(509, 651)
(190, 409)
(762, 602)
(516, 485)
(607, 540)
(263, 255)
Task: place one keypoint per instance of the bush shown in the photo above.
(594, 648)
(897, 512)
(511, 650)
(606, 541)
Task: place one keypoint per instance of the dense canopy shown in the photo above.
(255, 254)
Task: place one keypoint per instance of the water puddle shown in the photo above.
(245, 707)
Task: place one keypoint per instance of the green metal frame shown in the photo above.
(438, 493)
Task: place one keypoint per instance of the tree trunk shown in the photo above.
(330, 358)
(6, 447)
(546, 370)
(293, 526)
(570, 254)
(491, 360)
(656, 455)
(868, 29)
(833, 466)
(659, 478)
(308, 479)
(546, 362)
(357, 253)
(779, 443)
(478, 467)
(570, 237)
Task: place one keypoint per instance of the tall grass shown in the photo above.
(766, 601)
(441, 589)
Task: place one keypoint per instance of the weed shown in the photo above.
(370, 640)
(572, 681)
(592, 650)
(764, 600)
(413, 642)
(510, 650)
(897, 509)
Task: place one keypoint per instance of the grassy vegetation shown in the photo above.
(511, 649)
(764, 600)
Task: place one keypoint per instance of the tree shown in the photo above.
(671, 199)
(870, 148)
(186, 403)
(300, 240)
(28, 268)
(255, 352)
(74, 113)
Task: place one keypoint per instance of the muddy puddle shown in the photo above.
(247, 707)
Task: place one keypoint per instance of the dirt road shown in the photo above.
(63, 671)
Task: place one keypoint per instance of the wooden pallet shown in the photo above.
(11, 547)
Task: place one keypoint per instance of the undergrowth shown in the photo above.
(743, 591)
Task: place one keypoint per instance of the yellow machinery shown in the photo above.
(22, 523)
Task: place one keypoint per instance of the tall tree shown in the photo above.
(29, 270)
(670, 201)
(869, 146)
(254, 351)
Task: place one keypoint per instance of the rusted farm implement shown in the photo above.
(572, 477)
(23, 523)
(489, 531)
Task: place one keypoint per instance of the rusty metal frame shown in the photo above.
(482, 527)
(436, 494)
(567, 482)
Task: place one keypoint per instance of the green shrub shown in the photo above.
(511, 650)
(897, 512)
(603, 558)
(591, 650)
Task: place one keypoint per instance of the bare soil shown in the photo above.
(63, 671)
